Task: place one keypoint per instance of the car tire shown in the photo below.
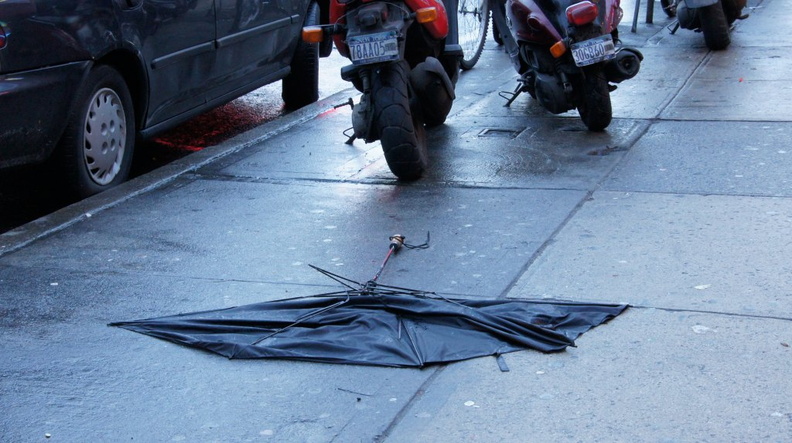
(96, 149)
(301, 86)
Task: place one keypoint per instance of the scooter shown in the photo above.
(713, 18)
(405, 62)
(568, 54)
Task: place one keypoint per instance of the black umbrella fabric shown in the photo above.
(382, 326)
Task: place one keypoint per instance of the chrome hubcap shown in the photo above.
(104, 136)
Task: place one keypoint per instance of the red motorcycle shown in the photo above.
(567, 53)
(405, 62)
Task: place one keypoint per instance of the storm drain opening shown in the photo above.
(499, 132)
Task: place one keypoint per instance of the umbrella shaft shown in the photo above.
(384, 262)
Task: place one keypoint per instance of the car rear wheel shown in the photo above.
(95, 152)
(301, 86)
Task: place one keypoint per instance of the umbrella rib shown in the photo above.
(346, 282)
(303, 318)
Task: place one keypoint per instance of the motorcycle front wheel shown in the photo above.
(401, 133)
(594, 104)
(714, 26)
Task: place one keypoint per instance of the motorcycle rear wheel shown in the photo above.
(595, 103)
(401, 132)
(714, 26)
(732, 9)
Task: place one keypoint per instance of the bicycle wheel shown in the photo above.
(472, 22)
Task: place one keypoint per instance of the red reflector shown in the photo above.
(2, 37)
(582, 13)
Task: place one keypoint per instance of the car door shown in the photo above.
(179, 50)
(255, 42)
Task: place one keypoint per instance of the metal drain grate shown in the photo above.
(499, 132)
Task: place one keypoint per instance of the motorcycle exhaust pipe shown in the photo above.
(624, 66)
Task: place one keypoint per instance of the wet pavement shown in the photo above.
(32, 192)
(681, 209)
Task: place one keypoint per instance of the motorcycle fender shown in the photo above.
(692, 4)
(530, 23)
(438, 28)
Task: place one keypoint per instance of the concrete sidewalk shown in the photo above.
(682, 208)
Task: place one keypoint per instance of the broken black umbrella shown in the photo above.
(375, 324)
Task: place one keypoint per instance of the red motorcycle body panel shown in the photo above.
(530, 22)
(543, 22)
(437, 29)
(337, 11)
(613, 15)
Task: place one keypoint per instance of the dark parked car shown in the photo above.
(81, 80)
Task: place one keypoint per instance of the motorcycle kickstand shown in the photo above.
(351, 138)
(511, 96)
(351, 104)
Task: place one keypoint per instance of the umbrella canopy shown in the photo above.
(380, 325)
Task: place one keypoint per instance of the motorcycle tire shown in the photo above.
(301, 86)
(400, 131)
(595, 103)
(732, 9)
(669, 7)
(714, 26)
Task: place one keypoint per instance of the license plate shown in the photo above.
(593, 50)
(373, 48)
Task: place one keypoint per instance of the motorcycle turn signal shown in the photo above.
(426, 15)
(312, 34)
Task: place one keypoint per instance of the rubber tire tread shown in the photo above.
(669, 7)
(68, 161)
(301, 86)
(496, 32)
(595, 110)
(732, 10)
(714, 26)
(404, 146)
(467, 63)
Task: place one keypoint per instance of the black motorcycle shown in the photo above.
(713, 18)
(405, 63)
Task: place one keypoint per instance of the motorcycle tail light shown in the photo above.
(426, 15)
(582, 13)
(312, 34)
(2, 37)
